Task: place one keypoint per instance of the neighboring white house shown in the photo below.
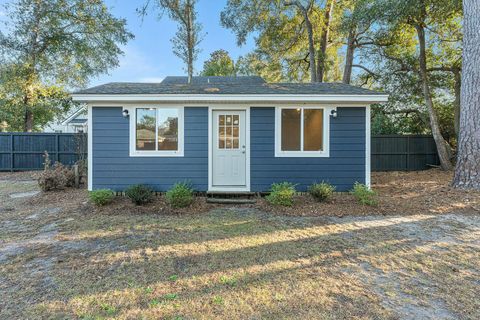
(75, 122)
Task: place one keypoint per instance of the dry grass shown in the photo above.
(60, 259)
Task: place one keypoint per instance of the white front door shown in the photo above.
(229, 149)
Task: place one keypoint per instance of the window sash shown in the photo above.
(178, 152)
(325, 152)
(302, 129)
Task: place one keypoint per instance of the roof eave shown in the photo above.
(337, 98)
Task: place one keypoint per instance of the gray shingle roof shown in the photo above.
(228, 87)
(214, 80)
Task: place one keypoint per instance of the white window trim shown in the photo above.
(302, 154)
(132, 111)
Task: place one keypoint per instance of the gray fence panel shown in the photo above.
(403, 152)
(25, 151)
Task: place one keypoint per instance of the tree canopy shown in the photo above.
(219, 64)
(51, 46)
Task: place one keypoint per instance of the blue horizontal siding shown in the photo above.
(343, 168)
(113, 168)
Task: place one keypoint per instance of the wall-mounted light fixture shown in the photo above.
(333, 113)
(125, 113)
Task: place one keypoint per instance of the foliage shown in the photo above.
(180, 195)
(101, 197)
(321, 191)
(282, 41)
(219, 64)
(139, 194)
(364, 194)
(188, 35)
(56, 177)
(281, 194)
(48, 47)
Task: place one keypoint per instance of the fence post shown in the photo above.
(11, 152)
(408, 153)
(57, 148)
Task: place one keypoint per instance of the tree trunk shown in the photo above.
(322, 53)
(347, 72)
(311, 45)
(456, 103)
(467, 171)
(437, 135)
(190, 40)
(28, 121)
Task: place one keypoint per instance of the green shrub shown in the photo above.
(281, 194)
(364, 194)
(321, 191)
(139, 194)
(180, 195)
(101, 197)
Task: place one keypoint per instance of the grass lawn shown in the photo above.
(60, 260)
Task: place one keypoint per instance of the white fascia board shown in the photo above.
(368, 99)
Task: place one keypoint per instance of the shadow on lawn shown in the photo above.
(297, 250)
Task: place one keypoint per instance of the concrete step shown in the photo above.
(230, 200)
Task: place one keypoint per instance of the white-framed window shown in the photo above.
(302, 131)
(156, 131)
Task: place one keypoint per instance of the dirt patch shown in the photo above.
(420, 192)
(20, 175)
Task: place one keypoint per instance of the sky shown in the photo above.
(149, 57)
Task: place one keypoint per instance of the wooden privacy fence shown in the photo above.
(403, 152)
(25, 151)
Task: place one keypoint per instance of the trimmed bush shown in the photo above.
(321, 191)
(139, 194)
(180, 195)
(364, 194)
(281, 194)
(56, 177)
(101, 197)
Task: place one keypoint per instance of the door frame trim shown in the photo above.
(247, 149)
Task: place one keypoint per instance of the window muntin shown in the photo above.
(157, 131)
(302, 132)
(228, 131)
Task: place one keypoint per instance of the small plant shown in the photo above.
(228, 281)
(153, 303)
(101, 197)
(170, 296)
(109, 310)
(139, 194)
(364, 194)
(173, 277)
(321, 191)
(148, 290)
(281, 194)
(56, 177)
(180, 195)
(217, 300)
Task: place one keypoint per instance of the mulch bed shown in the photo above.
(399, 193)
(159, 205)
(419, 192)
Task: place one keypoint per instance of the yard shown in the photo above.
(417, 255)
